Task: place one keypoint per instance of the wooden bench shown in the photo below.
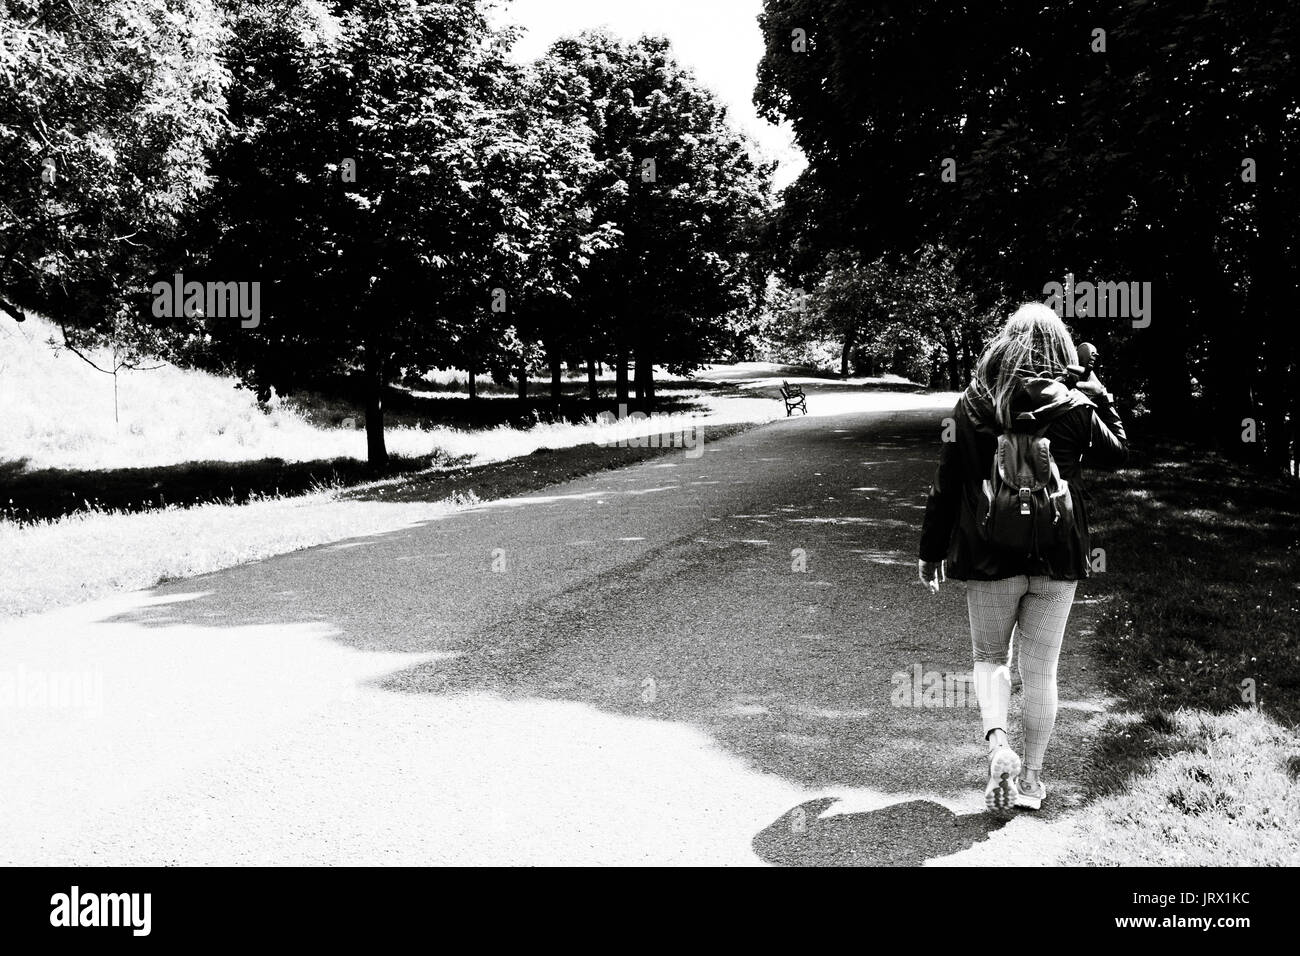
(793, 397)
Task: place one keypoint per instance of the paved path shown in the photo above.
(625, 669)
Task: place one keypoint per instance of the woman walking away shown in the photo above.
(1007, 513)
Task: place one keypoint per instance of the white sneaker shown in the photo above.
(1000, 794)
(1031, 799)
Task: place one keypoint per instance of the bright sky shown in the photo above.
(718, 40)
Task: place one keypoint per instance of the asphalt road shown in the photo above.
(692, 660)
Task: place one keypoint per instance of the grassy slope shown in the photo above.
(194, 476)
(59, 413)
(1202, 593)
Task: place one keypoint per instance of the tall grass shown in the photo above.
(58, 412)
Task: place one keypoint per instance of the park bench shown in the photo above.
(793, 397)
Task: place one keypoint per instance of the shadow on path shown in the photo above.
(902, 834)
(764, 593)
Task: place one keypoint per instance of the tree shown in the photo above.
(364, 189)
(905, 315)
(681, 189)
(550, 177)
(1108, 141)
(106, 110)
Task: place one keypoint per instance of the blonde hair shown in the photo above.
(1033, 343)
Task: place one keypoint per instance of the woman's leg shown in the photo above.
(1044, 611)
(993, 607)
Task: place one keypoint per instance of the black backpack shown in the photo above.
(1025, 508)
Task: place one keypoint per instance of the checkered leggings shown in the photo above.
(1036, 608)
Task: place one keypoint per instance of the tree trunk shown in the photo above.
(593, 391)
(376, 451)
(473, 384)
(1164, 347)
(1232, 358)
(1269, 321)
(950, 349)
(638, 378)
(1293, 391)
(849, 340)
(557, 379)
(523, 378)
(620, 376)
(649, 387)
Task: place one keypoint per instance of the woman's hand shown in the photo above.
(931, 574)
(1092, 387)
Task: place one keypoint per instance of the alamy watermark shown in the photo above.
(1101, 300)
(932, 689)
(690, 438)
(25, 689)
(127, 910)
(218, 300)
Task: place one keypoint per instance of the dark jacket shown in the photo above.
(1080, 429)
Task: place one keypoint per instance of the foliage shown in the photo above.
(106, 110)
(681, 188)
(1112, 157)
(910, 316)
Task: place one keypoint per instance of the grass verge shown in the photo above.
(92, 553)
(1200, 631)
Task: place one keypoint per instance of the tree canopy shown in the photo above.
(107, 110)
(1117, 141)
